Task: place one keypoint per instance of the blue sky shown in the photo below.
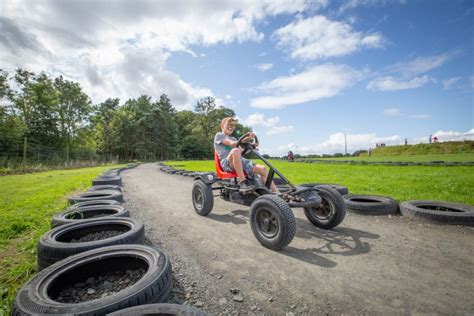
(300, 73)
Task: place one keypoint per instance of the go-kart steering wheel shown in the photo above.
(246, 146)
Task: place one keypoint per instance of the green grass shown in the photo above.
(27, 204)
(468, 157)
(403, 183)
(459, 147)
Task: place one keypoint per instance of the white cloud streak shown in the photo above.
(318, 38)
(264, 67)
(408, 75)
(315, 83)
(271, 123)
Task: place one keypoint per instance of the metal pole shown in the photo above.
(345, 144)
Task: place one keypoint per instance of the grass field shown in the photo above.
(403, 183)
(408, 158)
(27, 203)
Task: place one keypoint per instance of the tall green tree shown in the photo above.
(74, 107)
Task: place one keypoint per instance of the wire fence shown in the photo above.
(40, 156)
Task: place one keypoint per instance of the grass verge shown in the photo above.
(27, 204)
(453, 184)
(407, 158)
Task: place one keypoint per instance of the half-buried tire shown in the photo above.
(439, 212)
(67, 240)
(94, 203)
(370, 204)
(52, 290)
(107, 180)
(96, 195)
(105, 187)
(159, 309)
(89, 212)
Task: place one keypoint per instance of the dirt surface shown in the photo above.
(366, 265)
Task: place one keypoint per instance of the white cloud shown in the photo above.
(351, 4)
(409, 75)
(336, 142)
(392, 84)
(420, 116)
(444, 136)
(259, 119)
(319, 38)
(264, 67)
(451, 82)
(95, 42)
(318, 82)
(280, 130)
(392, 112)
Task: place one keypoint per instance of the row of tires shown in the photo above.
(390, 163)
(90, 247)
(439, 212)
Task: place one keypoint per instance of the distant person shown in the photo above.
(435, 139)
(406, 141)
(291, 156)
(370, 152)
(430, 139)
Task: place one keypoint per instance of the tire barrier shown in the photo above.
(370, 204)
(49, 291)
(105, 187)
(159, 309)
(96, 195)
(67, 240)
(388, 163)
(74, 215)
(93, 203)
(439, 212)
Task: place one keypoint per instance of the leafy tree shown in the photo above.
(74, 107)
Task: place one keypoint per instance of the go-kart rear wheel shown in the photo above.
(332, 210)
(272, 221)
(203, 200)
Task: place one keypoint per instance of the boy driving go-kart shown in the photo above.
(239, 180)
(231, 159)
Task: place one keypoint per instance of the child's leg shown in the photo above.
(235, 162)
(263, 173)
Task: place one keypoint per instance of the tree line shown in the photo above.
(56, 115)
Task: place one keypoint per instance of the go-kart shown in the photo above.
(271, 217)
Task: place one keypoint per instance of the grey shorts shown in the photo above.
(247, 165)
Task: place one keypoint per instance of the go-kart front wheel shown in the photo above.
(332, 210)
(203, 200)
(272, 221)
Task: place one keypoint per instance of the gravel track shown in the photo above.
(374, 265)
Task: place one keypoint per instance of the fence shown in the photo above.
(39, 156)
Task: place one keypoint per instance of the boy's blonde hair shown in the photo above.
(227, 120)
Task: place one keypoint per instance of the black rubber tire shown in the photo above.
(37, 296)
(107, 180)
(55, 245)
(370, 204)
(447, 213)
(332, 212)
(159, 309)
(94, 203)
(203, 199)
(96, 195)
(272, 207)
(105, 187)
(343, 190)
(73, 215)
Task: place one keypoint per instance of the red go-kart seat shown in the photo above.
(220, 172)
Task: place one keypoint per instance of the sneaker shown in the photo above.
(246, 186)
